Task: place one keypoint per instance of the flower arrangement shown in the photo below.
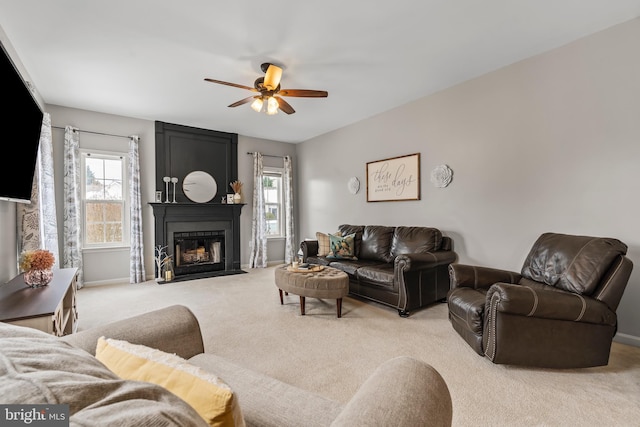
(39, 259)
(236, 186)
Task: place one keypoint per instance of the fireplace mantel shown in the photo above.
(180, 217)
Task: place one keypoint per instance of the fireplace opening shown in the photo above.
(198, 251)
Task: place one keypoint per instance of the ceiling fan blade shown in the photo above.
(284, 105)
(272, 77)
(244, 101)
(232, 84)
(304, 93)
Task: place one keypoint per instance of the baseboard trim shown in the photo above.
(269, 264)
(627, 339)
(109, 282)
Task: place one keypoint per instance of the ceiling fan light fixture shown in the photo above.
(272, 106)
(269, 99)
(257, 105)
(272, 77)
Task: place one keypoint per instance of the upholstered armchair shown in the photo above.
(558, 312)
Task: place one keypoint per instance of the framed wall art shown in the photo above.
(394, 179)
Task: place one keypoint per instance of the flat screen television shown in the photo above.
(20, 126)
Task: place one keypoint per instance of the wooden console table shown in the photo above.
(51, 308)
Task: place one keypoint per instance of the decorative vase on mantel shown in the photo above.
(237, 198)
(37, 278)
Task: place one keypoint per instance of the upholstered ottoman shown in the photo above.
(320, 282)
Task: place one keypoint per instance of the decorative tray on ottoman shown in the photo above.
(312, 268)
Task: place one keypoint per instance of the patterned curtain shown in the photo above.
(136, 266)
(289, 250)
(258, 255)
(39, 227)
(72, 229)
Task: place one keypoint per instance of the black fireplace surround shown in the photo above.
(202, 218)
(181, 150)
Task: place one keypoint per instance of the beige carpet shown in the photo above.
(242, 319)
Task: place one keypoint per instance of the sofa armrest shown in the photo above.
(401, 392)
(172, 329)
(471, 276)
(309, 248)
(548, 304)
(423, 261)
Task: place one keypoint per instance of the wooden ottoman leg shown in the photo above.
(339, 307)
(302, 306)
(280, 292)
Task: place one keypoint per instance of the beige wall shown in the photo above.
(551, 143)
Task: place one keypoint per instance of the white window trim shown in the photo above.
(126, 227)
(266, 171)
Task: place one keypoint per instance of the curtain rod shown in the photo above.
(95, 133)
(266, 155)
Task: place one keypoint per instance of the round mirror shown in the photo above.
(199, 186)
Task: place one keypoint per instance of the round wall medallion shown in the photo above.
(441, 176)
(353, 185)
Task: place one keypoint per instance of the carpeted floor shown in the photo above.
(242, 319)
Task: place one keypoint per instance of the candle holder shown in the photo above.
(174, 180)
(166, 180)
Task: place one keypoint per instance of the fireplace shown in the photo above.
(203, 239)
(198, 251)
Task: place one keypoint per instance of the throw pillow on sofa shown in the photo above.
(323, 242)
(342, 247)
(206, 393)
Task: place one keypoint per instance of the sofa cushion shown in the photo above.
(351, 266)
(206, 393)
(342, 247)
(376, 243)
(415, 240)
(38, 368)
(320, 260)
(267, 402)
(379, 274)
(572, 263)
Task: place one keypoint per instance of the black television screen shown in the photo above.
(20, 126)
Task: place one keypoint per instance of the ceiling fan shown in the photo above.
(270, 93)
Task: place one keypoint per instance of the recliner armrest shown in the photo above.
(476, 277)
(401, 392)
(423, 261)
(549, 304)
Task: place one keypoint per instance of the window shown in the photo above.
(104, 199)
(273, 208)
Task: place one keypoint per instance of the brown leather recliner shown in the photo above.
(558, 312)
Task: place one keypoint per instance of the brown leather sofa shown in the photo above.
(401, 267)
(558, 312)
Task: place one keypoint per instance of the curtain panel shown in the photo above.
(72, 227)
(258, 244)
(289, 223)
(136, 265)
(39, 227)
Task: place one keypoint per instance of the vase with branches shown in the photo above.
(236, 186)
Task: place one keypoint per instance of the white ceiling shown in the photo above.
(148, 58)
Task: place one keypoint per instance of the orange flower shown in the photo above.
(39, 259)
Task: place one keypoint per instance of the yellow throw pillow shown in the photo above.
(323, 242)
(206, 393)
